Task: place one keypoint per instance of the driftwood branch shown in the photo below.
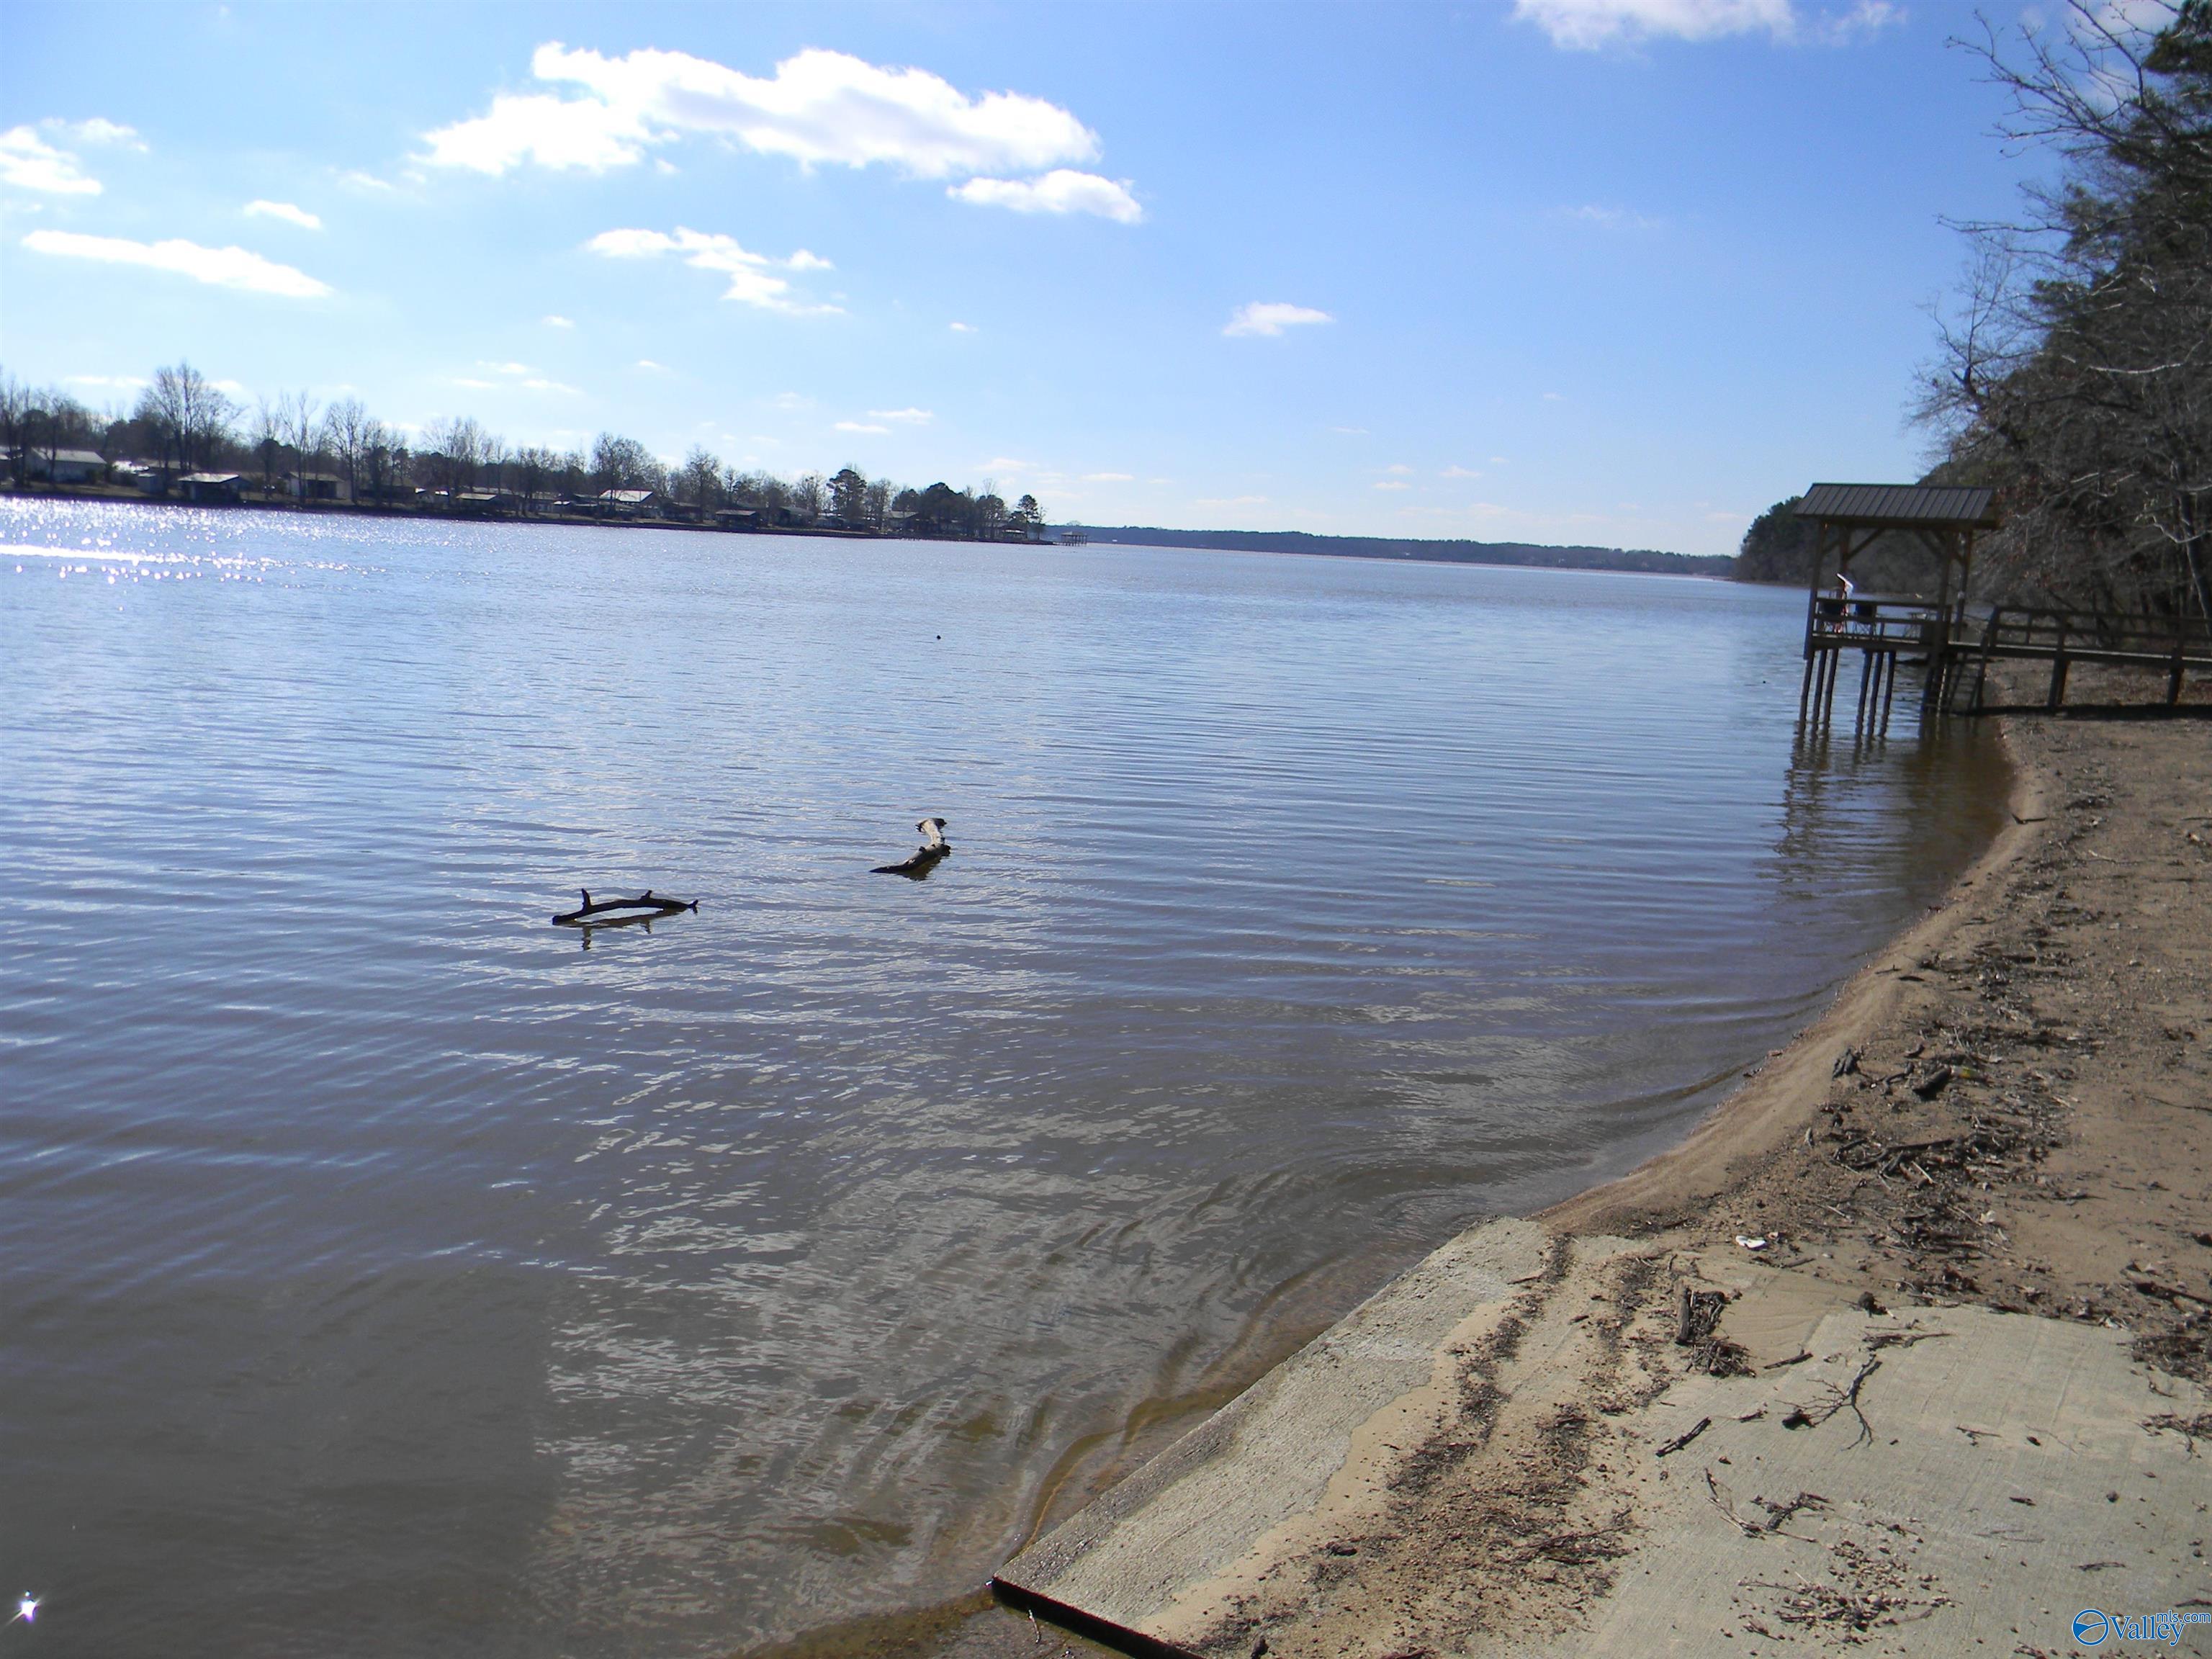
(647, 901)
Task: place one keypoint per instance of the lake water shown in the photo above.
(387, 1272)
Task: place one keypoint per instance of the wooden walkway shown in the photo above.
(1955, 648)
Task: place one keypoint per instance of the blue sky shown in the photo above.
(1621, 271)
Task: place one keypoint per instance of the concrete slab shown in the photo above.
(1207, 1501)
(1998, 1474)
(1471, 1465)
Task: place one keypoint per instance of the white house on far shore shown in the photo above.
(68, 466)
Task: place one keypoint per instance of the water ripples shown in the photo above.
(383, 1259)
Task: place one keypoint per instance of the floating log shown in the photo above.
(916, 864)
(647, 901)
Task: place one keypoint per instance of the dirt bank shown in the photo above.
(2013, 1104)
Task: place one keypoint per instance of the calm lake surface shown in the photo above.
(385, 1272)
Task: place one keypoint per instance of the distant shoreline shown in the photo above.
(117, 496)
(1525, 555)
(1531, 555)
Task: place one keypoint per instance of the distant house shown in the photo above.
(68, 466)
(212, 488)
(628, 503)
(738, 518)
(316, 487)
(484, 502)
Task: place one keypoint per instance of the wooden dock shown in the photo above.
(1955, 651)
(1952, 643)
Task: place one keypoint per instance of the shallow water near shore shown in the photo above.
(388, 1270)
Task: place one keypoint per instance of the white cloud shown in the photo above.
(1589, 23)
(1230, 501)
(647, 363)
(1611, 218)
(1868, 17)
(558, 322)
(1351, 431)
(1458, 473)
(751, 280)
(115, 382)
(579, 134)
(1554, 397)
(861, 426)
(1060, 190)
(1108, 477)
(537, 383)
(962, 328)
(1392, 483)
(28, 162)
(362, 180)
(819, 106)
(1271, 317)
(231, 388)
(503, 369)
(223, 267)
(97, 131)
(906, 416)
(1400, 469)
(284, 211)
(473, 385)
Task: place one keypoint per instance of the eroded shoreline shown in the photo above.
(2004, 1113)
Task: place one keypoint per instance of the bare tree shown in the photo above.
(18, 416)
(383, 462)
(2076, 367)
(457, 449)
(190, 419)
(295, 418)
(344, 437)
(534, 468)
(268, 440)
(619, 463)
(698, 482)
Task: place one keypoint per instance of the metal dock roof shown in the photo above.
(1901, 507)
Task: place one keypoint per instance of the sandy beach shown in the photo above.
(1904, 1350)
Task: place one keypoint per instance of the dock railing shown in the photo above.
(1865, 621)
(2062, 637)
(1883, 630)
(1958, 646)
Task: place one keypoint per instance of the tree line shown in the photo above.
(2074, 369)
(183, 424)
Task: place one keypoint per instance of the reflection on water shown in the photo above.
(386, 1273)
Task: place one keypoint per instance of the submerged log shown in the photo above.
(647, 901)
(916, 864)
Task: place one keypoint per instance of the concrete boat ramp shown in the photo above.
(1507, 1451)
